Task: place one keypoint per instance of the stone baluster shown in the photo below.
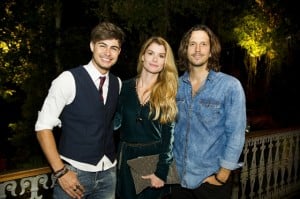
(261, 167)
(253, 170)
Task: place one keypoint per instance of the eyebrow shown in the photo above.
(154, 51)
(113, 46)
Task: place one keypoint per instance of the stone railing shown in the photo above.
(271, 165)
(33, 184)
(271, 170)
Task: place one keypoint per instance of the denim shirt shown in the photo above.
(210, 129)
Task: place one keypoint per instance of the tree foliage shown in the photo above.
(257, 31)
(25, 40)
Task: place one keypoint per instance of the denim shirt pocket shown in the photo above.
(209, 111)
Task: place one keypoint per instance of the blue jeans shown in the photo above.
(100, 184)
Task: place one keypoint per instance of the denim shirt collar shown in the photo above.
(211, 76)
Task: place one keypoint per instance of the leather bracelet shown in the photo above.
(61, 172)
(218, 180)
(55, 172)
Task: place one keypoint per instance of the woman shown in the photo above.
(146, 114)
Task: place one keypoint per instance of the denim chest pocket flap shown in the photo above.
(208, 110)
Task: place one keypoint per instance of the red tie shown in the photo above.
(102, 79)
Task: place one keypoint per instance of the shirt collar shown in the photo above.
(210, 77)
(93, 72)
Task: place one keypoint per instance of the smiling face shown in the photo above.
(198, 50)
(105, 54)
(154, 58)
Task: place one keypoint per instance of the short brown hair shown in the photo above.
(107, 30)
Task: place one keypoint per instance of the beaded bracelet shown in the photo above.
(61, 172)
(218, 180)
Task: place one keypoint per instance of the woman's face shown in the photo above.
(154, 58)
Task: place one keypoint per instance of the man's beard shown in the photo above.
(197, 65)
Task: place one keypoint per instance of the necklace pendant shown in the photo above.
(139, 119)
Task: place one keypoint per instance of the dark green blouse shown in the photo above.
(140, 136)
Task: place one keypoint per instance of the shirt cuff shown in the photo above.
(230, 165)
(44, 122)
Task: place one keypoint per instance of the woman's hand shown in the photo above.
(156, 182)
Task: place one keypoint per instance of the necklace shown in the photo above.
(142, 93)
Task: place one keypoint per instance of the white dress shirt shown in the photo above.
(61, 93)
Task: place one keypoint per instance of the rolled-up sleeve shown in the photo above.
(235, 127)
(61, 93)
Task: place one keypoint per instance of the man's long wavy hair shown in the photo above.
(215, 49)
(163, 92)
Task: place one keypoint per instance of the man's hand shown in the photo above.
(71, 185)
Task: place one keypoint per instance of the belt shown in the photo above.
(140, 144)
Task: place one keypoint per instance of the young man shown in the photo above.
(209, 133)
(84, 163)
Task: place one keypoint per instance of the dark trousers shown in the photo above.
(204, 191)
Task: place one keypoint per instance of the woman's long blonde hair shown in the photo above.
(163, 93)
